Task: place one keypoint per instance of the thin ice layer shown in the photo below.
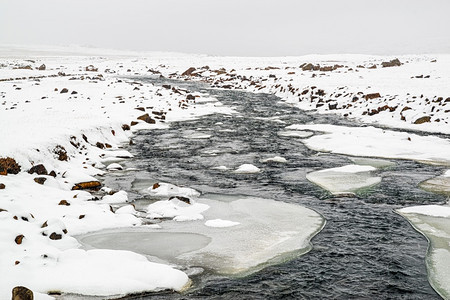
(433, 221)
(268, 231)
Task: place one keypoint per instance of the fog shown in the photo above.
(233, 27)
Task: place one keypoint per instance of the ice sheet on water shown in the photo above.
(433, 221)
(346, 179)
(438, 185)
(268, 231)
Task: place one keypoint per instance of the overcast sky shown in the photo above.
(232, 27)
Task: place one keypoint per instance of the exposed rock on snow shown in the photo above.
(9, 165)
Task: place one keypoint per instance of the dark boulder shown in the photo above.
(38, 169)
(9, 165)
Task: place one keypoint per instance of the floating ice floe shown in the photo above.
(344, 180)
(247, 169)
(277, 159)
(365, 141)
(220, 223)
(438, 185)
(166, 190)
(114, 166)
(296, 133)
(119, 197)
(269, 232)
(433, 221)
(221, 168)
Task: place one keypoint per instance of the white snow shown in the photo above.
(176, 209)
(442, 211)
(221, 223)
(350, 169)
(166, 190)
(247, 169)
(118, 197)
(114, 166)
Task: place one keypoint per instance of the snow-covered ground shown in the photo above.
(72, 111)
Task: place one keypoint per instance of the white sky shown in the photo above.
(232, 27)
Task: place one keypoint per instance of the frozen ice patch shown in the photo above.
(247, 169)
(220, 223)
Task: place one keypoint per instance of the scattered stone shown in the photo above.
(42, 67)
(91, 68)
(54, 236)
(372, 96)
(61, 152)
(22, 293)
(392, 63)
(44, 225)
(2, 187)
(190, 97)
(108, 146)
(38, 169)
(64, 90)
(188, 72)
(1, 209)
(52, 173)
(40, 180)
(166, 86)
(19, 239)
(85, 138)
(422, 120)
(87, 185)
(9, 165)
(146, 118)
(74, 93)
(100, 145)
(134, 123)
(140, 108)
(81, 217)
(155, 186)
(125, 127)
(113, 132)
(64, 202)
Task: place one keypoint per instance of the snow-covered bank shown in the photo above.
(63, 120)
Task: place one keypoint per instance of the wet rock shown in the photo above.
(422, 120)
(146, 118)
(181, 198)
(64, 90)
(61, 152)
(372, 96)
(42, 67)
(393, 63)
(40, 180)
(38, 169)
(22, 293)
(188, 72)
(125, 127)
(19, 239)
(9, 165)
(87, 185)
(155, 186)
(64, 202)
(2, 186)
(54, 236)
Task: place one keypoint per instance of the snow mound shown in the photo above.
(176, 209)
(114, 166)
(247, 169)
(221, 223)
(277, 159)
(166, 190)
(119, 197)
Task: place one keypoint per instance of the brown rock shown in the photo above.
(44, 225)
(181, 198)
(372, 96)
(38, 169)
(108, 145)
(140, 108)
(9, 166)
(422, 120)
(188, 72)
(125, 127)
(64, 90)
(392, 63)
(100, 145)
(146, 118)
(134, 123)
(155, 186)
(81, 217)
(40, 180)
(86, 185)
(22, 293)
(113, 132)
(52, 173)
(2, 186)
(42, 68)
(61, 152)
(91, 68)
(64, 202)
(19, 239)
(54, 236)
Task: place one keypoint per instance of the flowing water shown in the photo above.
(365, 250)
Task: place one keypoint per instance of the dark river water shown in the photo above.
(365, 250)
